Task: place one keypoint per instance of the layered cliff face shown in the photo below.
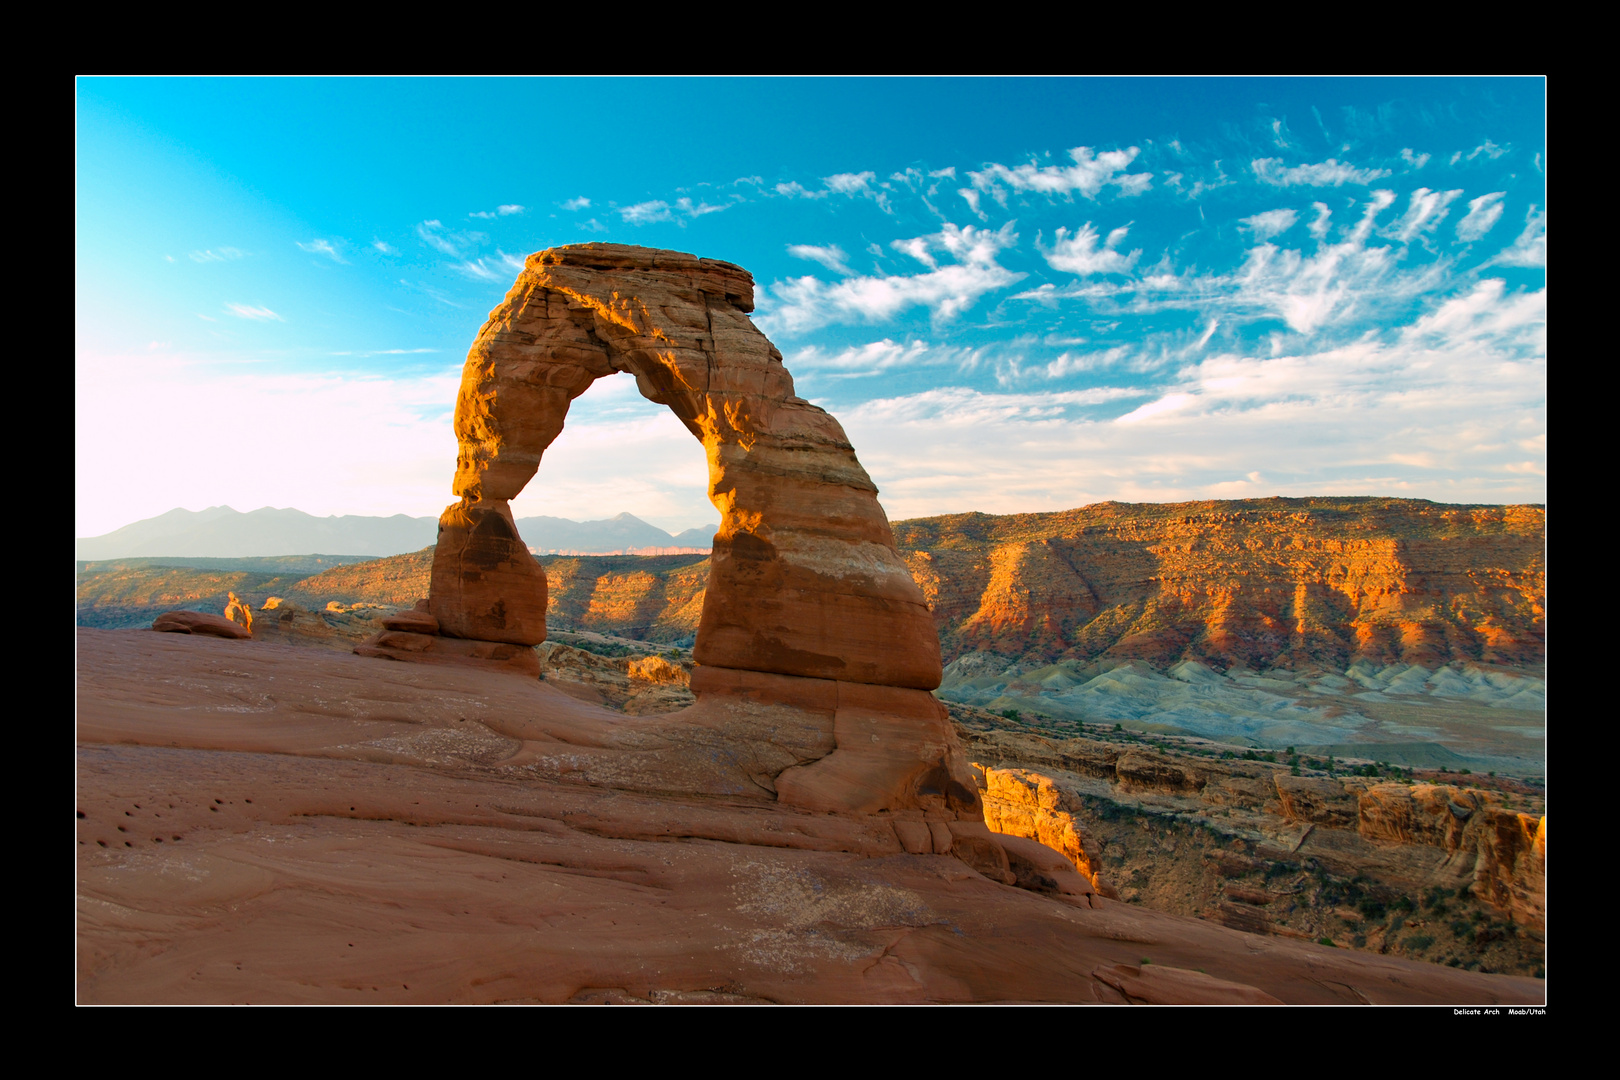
(1293, 583)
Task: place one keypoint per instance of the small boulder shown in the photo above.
(196, 622)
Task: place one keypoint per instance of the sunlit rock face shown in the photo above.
(805, 578)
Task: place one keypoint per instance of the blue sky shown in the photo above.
(1016, 294)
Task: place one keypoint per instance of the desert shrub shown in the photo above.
(1418, 942)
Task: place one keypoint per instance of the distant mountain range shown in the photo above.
(224, 533)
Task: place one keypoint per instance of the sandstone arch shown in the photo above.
(816, 651)
(804, 579)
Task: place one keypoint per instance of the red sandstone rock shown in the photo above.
(239, 613)
(804, 580)
(447, 834)
(195, 622)
(1020, 803)
(486, 585)
(1151, 984)
(416, 622)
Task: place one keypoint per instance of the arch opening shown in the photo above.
(804, 578)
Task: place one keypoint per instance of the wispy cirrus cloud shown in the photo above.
(224, 254)
(1270, 223)
(882, 357)
(1089, 175)
(579, 203)
(504, 210)
(800, 304)
(1335, 286)
(1424, 212)
(256, 314)
(1483, 214)
(658, 210)
(850, 185)
(1453, 405)
(831, 256)
(1080, 254)
(448, 241)
(1329, 173)
(499, 267)
(323, 247)
(1530, 249)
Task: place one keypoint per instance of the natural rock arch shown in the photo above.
(804, 578)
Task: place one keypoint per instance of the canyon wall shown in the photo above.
(1319, 582)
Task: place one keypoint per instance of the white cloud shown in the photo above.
(580, 203)
(1417, 161)
(800, 304)
(385, 247)
(257, 314)
(504, 210)
(850, 184)
(917, 248)
(1453, 410)
(698, 209)
(323, 247)
(1424, 212)
(645, 213)
(1489, 149)
(1270, 223)
(832, 256)
(1329, 173)
(657, 210)
(1319, 227)
(1089, 174)
(1530, 249)
(1069, 363)
(1079, 254)
(501, 267)
(224, 254)
(448, 241)
(1337, 285)
(876, 358)
(1483, 214)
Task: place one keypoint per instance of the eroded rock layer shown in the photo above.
(1293, 583)
(804, 580)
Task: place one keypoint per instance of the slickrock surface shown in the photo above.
(804, 580)
(270, 824)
